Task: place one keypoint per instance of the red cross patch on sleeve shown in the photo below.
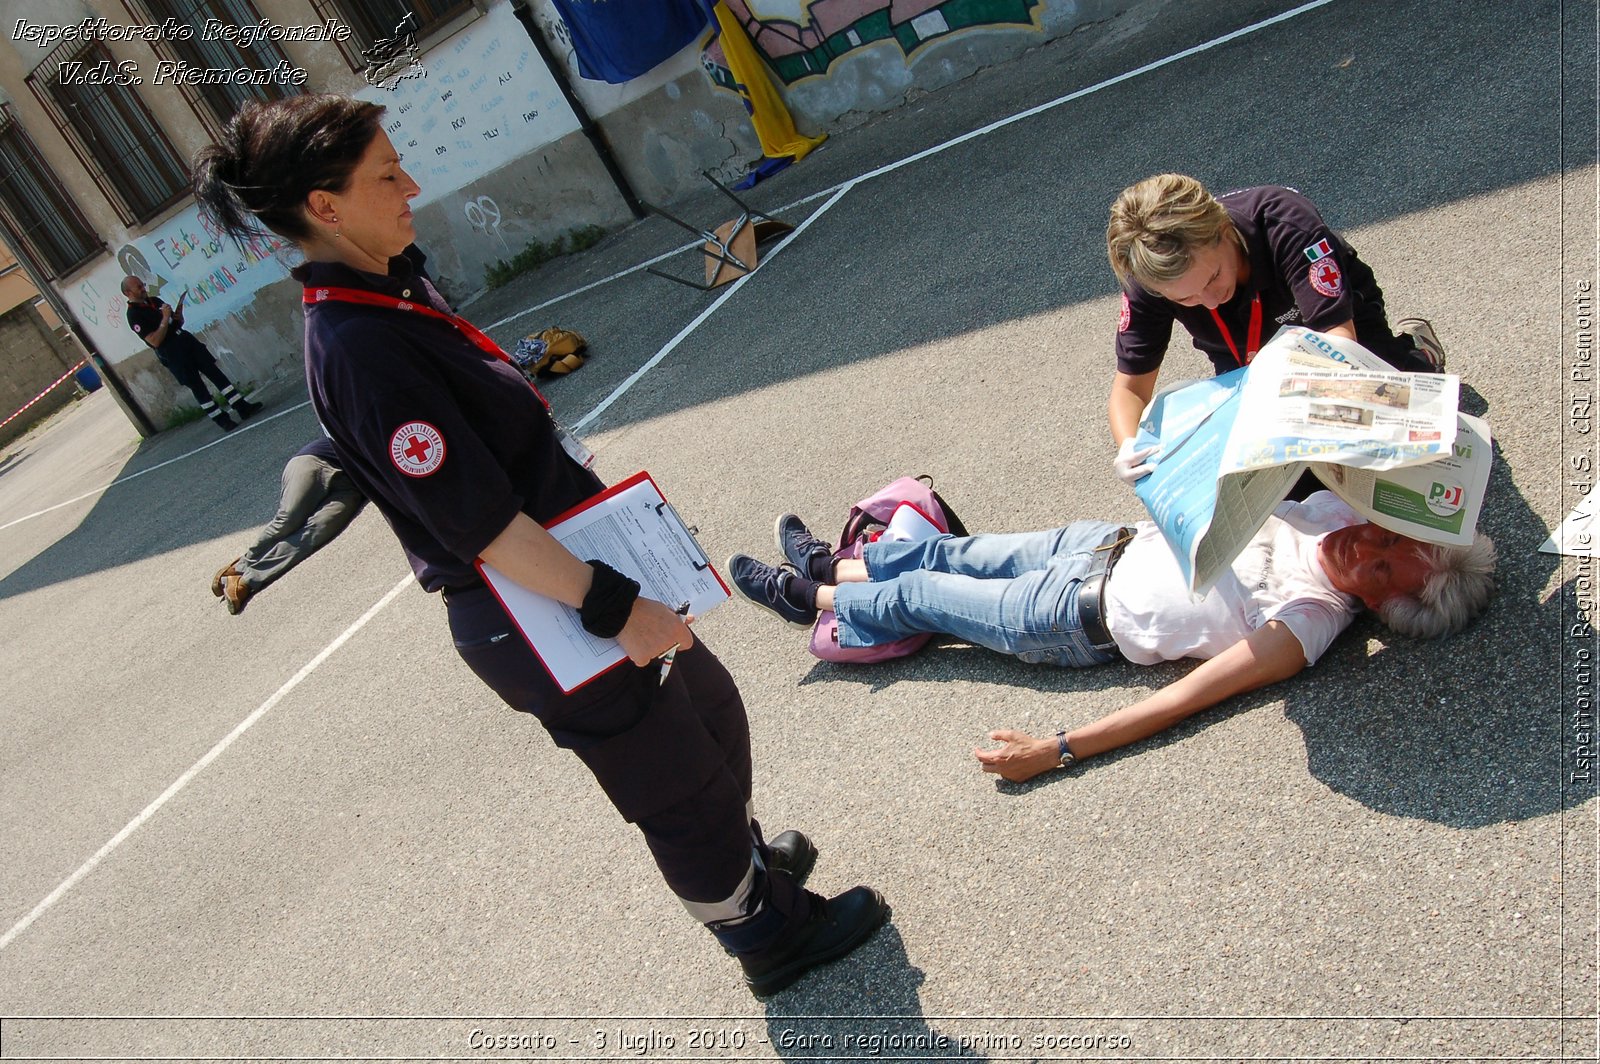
(1327, 278)
(416, 448)
(1125, 317)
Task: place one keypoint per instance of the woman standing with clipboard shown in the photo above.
(463, 459)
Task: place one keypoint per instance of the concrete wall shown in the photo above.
(665, 139)
(543, 195)
(32, 356)
(837, 60)
(482, 125)
(666, 126)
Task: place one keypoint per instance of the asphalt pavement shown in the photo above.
(307, 832)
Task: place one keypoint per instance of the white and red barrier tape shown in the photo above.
(54, 385)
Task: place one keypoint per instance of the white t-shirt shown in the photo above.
(1276, 577)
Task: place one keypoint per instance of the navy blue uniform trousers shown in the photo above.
(674, 758)
(191, 362)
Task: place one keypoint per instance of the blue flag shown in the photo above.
(617, 40)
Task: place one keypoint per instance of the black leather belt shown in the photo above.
(1091, 592)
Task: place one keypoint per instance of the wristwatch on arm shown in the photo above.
(1065, 755)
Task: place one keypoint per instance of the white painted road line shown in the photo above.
(655, 360)
(211, 755)
(159, 465)
(1001, 123)
(592, 284)
(834, 191)
(837, 192)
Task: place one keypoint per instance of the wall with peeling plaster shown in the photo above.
(685, 116)
(545, 194)
(482, 125)
(837, 61)
(263, 342)
(667, 126)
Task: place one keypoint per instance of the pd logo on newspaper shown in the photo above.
(1446, 497)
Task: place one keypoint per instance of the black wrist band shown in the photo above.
(606, 607)
(1065, 757)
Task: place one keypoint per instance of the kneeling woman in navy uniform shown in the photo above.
(1231, 270)
(461, 456)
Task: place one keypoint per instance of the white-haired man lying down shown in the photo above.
(1094, 592)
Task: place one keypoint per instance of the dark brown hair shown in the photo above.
(272, 156)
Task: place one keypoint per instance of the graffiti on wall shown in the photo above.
(185, 254)
(479, 101)
(803, 38)
(475, 102)
(483, 214)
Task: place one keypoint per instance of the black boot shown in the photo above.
(796, 930)
(790, 852)
(793, 853)
(835, 927)
(218, 414)
(241, 406)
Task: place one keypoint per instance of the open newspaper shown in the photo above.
(1392, 445)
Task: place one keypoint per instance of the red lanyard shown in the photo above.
(1255, 332)
(479, 338)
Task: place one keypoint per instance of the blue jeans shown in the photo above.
(1015, 593)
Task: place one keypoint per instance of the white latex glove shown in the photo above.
(1131, 465)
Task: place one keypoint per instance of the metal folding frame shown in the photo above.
(718, 248)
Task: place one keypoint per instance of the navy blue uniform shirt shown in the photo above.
(447, 440)
(1304, 272)
(145, 318)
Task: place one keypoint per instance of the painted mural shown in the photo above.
(803, 38)
(471, 105)
(184, 254)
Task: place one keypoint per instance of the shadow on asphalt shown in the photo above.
(1012, 225)
(228, 490)
(1438, 731)
(885, 1017)
(1447, 731)
(1001, 228)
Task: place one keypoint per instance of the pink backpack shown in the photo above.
(869, 519)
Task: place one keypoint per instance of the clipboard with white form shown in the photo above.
(632, 528)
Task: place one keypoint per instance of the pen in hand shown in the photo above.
(682, 610)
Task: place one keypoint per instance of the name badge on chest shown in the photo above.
(574, 447)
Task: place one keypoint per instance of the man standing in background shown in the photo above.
(185, 357)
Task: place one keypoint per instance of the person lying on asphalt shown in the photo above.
(1094, 592)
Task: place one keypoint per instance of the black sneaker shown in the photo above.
(777, 587)
(246, 409)
(805, 552)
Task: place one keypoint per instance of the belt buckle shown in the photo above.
(1111, 548)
